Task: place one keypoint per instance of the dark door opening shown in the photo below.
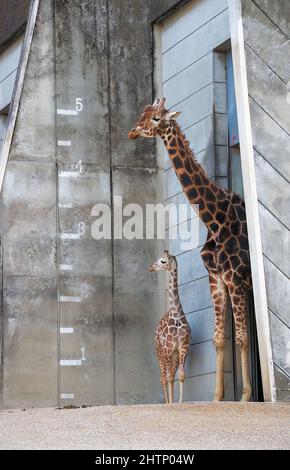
(236, 185)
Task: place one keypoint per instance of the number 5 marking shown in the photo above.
(79, 105)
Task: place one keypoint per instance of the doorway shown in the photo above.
(236, 185)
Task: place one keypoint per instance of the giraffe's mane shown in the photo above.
(187, 147)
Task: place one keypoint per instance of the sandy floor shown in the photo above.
(187, 426)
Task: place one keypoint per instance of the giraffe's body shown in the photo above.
(226, 251)
(172, 337)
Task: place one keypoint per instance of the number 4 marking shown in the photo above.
(79, 105)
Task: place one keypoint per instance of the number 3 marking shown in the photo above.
(81, 228)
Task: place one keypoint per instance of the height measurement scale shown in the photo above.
(84, 264)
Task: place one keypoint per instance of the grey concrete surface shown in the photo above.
(186, 426)
(81, 52)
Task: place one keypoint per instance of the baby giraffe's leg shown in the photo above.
(164, 381)
(172, 368)
(181, 371)
(163, 375)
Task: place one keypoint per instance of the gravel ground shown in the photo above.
(187, 426)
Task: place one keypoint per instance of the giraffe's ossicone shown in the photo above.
(173, 335)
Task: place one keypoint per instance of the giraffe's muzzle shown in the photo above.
(134, 134)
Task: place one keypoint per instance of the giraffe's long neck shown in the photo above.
(174, 301)
(210, 200)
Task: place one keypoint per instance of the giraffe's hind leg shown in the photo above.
(181, 372)
(239, 305)
(219, 294)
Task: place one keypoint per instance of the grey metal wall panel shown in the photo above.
(189, 19)
(277, 196)
(13, 16)
(278, 291)
(201, 388)
(194, 46)
(194, 83)
(268, 74)
(275, 240)
(8, 67)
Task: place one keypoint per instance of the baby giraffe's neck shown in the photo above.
(174, 301)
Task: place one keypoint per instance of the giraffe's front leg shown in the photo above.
(219, 295)
(163, 374)
(181, 371)
(172, 365)
(239, 305)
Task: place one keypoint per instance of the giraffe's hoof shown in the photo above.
(246, 396)
(218, 398)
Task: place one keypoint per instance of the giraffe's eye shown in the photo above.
(162, 261)
(156, 119)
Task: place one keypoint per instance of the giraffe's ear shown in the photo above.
(173, 115)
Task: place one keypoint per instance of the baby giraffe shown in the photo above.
(173, 335)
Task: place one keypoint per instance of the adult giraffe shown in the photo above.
(226, 251)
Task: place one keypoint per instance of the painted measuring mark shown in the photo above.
(69, 174)
(64, 143)
(70, 298)
(74, 362)
(80, 170)
(70, 236)
(67, 396)
(72, 112)
(66, 267)
(65, 205)
(67, 112)
(66, 330)
(70, 362)
(74, 236)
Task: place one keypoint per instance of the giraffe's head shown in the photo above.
(153, 120)
(166, 263)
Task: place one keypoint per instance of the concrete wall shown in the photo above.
(55, 278)
(268, 70)
(192, 76)
(101, 290)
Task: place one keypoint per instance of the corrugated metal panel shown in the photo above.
(268, 58)
(13, 16)
(232, 106)
(9, 60)
(195, 83)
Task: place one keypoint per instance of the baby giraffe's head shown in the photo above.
(166, 263)
(153, 121)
